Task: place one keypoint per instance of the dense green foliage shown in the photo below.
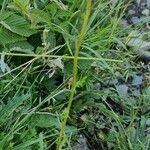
(37, 46)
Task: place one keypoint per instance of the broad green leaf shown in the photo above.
(44, 120)
(23, 5)
(22, 46)
(41, 16)
(12, 105)
(47, 120)
(7, 37)
(1, 2)
(16, 24)
(5, 15)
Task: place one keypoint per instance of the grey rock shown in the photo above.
(122, 89)
(135, 19)
(146, 12)
(143, 4)
(131, 12)
(114, 2)
(111, 82)
(148, 4)
(3, 66)
(148, 26)
(137, 80)
(138, 2)
(81, 144)
(135, 91)
(142, 47)
(97, 86)
(124, 23)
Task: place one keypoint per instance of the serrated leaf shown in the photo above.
(7, 37)
(44, 120)
(47, 120)
(22, 46)
(5, 15)
(16, 24)
(41, 16)
(23, 5)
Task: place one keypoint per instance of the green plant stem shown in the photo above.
(58, 56)
(60, 140)
(3, 6)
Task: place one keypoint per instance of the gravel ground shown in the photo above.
(138, 10)
(137, 13)
(138, 16)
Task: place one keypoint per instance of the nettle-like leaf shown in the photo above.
(44, 120)
(22, 46)
(48, 120)
(16, 24)
(20, 5)
(7, 37)
(41, 16)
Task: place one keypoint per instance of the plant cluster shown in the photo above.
(55, 59)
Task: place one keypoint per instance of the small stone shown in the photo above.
(142, 47)
(148, 26)
(114, 2)
(138, 2)
(124, 23)
(137, 80)
(131, 12)
(81, 144)
(122, 89)
(148, 122)
(143, 5)
(135, 20)
(148, 4)
(146, 12)
(135, 91)
(97, 86)
(111, 82)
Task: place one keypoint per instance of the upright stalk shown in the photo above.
(61, 138)
(3, 6)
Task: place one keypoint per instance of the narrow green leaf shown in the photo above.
(26, 145)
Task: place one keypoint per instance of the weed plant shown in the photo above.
(54, 56)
